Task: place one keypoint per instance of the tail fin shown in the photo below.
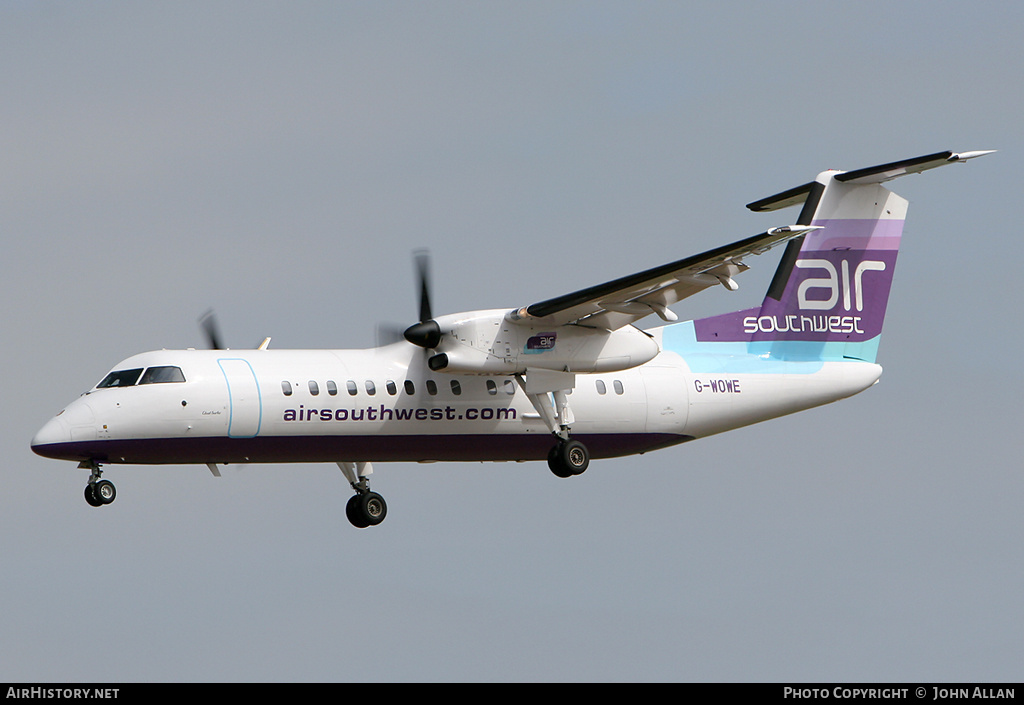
(829, 294)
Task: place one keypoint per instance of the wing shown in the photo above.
(628, 299)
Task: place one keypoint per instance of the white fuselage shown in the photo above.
(385, 404)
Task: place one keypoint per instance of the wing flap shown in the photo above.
(622, 301)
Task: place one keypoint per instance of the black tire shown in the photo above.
(373, 508)
(366, 509)
(568, 458)
(104, 491)
(354, 514)
(556, 464)
(91, 498)
(577, 457)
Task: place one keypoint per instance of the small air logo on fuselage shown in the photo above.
(542, 342)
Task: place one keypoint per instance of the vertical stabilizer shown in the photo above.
(828, 298)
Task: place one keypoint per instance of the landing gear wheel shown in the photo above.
(366, 509)
(103, 491)
(353, 513)
(91, 498)
(568, 458)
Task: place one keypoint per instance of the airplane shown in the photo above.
(566, 379)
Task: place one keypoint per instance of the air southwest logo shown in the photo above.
(838, 284)
(539, 343)
(386, 413)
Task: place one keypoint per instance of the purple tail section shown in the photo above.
(829, 295)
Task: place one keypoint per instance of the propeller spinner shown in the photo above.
(427, 333)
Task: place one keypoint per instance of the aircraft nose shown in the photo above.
(53, 432)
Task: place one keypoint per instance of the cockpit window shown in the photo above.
(120, 378)
(158, 375)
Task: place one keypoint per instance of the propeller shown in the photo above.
(208, 322)
(422, 261)
(427, 333)
(388, 333)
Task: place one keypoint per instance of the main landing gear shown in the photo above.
(568, 457)
(548, 391)
(98, 492)
(364, 508)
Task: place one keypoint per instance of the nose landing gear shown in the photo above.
(98, 492)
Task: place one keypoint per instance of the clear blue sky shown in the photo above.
(280, 162)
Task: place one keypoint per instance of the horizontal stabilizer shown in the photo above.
(792, 197)
(868, 175)
(885, 172)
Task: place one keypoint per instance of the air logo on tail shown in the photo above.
(832, 283)
(845, 288)
(837, 294)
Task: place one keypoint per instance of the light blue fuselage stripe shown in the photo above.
(231, 398)
(764, 357)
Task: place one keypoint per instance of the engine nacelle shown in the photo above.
(486, 342)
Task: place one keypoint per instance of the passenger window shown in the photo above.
(410, 388)
(120, 378)
(392, 388)
(456, 387)
(286, 387)
(371, 388)
(510, 387)
(314, 388)
(492, 388)
(601, 389)
(159, 375)
(332, 388)
(431, 387)
(351, 386)
(618, 386)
